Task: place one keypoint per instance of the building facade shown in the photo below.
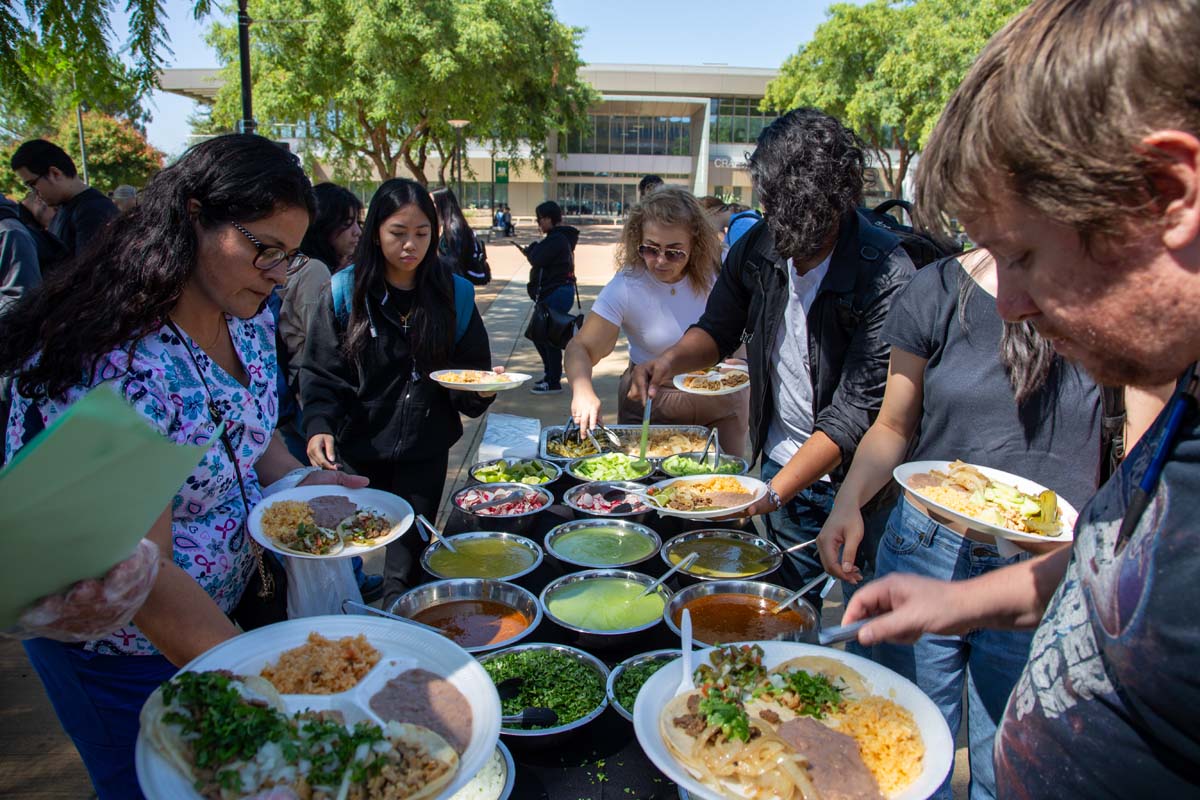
(694, 126)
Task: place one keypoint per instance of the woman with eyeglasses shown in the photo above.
(169, 309)
(380, 328)
(670, 256)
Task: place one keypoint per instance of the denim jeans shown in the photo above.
(560, 300)
(989, 661)
(798, 521)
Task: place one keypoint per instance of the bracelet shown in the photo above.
(290, 480)
(773, 496)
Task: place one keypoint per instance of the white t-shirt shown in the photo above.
(791, 379)
(654, 315)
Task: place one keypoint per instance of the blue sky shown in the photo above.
(760, 34)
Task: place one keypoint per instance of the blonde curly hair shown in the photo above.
(672, 205)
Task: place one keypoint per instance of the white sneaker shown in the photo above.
(542, 387)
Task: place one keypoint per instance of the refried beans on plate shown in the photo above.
(420, 697)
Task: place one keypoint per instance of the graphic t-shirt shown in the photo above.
(1109, 702)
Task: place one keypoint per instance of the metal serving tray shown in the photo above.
(629, 435)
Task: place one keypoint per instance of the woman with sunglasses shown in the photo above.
(380, 328)
(671, 256)
(168, 308)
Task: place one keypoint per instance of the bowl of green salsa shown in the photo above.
(723, 555)
(497, 556)
(596, 543)
(603, 608)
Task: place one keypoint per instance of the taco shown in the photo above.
(852, 684)
(231, 737)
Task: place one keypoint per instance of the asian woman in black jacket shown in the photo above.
(376, 335)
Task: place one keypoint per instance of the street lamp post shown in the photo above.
(458, 125)
(247, 124)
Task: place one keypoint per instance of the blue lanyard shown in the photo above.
(1183, 402)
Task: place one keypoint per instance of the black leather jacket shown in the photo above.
(847, 357)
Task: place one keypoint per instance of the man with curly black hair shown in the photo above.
(807, 291)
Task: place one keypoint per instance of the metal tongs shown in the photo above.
(434, 534)
(712, 442)
(613, 442)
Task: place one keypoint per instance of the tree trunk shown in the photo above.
(902, 171)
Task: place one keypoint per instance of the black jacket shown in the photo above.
(552, 261)
(384, 406)
(80, 219)
(846, 355)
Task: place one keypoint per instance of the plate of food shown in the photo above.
(328, 521)
(721, 379)
(789, 720)
(479, 380)
(704, 496)
(988, 500)
(328, 702)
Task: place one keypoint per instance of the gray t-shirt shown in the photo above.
(969, 411)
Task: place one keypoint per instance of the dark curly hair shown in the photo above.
(808, 170)
(125, 283)
(337, 209)
(433, 301)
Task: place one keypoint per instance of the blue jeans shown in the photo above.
(990, 661)
(560, 300)
(97, 699)
(798, 521)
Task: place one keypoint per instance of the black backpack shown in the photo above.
(922, 247)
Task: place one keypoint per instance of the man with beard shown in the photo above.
(1072, 152)
(807, 291)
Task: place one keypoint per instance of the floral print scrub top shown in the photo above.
(161, 382)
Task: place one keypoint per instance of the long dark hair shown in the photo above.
(456, 233)
(432, 320)
(337, 207)
(127, 281)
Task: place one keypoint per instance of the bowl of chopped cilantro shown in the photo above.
(555, 676)
(626, 678)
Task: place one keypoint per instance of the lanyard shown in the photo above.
(1183, 402)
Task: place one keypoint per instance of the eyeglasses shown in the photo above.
(670, 254)
(269, 257)
(33, 182)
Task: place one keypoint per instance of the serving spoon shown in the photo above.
(684, 564)
(686, 683)
(803, 590)
(379, 612)
(641, 462)
(434, 534)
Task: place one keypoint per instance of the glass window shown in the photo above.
(587, 198)
(602, 145)
(740, 131)
(756, 127)
(618, 134)
(661, 142)
(727, 107)
(646, 136)
(724, 130)
(589, 136)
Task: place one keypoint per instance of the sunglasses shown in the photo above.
(670, 254)
(270, 256)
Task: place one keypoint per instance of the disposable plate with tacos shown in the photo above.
(704, 496)
(792, 721)
(323, 707)
(329, 521)
(721, 379)
(479, 380)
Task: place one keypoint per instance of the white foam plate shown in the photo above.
(515, 379)
(678, 380)
(939, 746)
(401, 647)
(391, 506)
(757, 489)
(940, 513)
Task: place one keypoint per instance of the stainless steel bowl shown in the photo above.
(508, 523)
(417, 600)
(552, 737)
(599, 487)
(594, 638)
(573, 466)
(756, 588)
(688, 577)
(664, 656)
(634, 528)
(521, 541)
(554, 469)
(726, 458)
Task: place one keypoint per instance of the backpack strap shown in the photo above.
(464, 306)
(342, 287)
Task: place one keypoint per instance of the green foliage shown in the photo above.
(377, 82)
(888, 68)
(49, 48)
(117, 152)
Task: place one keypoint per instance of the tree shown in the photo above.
(44, 41)
(377, 82)
(887, 69)
(117, 152)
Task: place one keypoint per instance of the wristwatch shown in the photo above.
(773, 496)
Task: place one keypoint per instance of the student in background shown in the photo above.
(459, 247)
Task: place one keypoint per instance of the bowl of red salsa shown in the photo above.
(476, 614)
(740, 611)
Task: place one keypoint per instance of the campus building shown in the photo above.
(692, 125)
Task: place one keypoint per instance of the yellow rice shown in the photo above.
(888, 738)
(281, 519)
